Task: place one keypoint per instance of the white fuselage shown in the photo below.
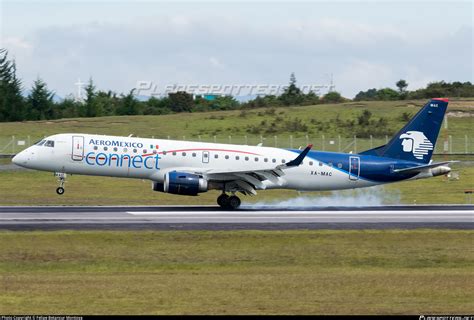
(142, 158)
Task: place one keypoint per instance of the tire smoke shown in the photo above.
(373, 196)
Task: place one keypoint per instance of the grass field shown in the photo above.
(319, 119)
(27, 187)
(237, 272)
(244, 272)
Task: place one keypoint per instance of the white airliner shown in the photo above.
(189, 168)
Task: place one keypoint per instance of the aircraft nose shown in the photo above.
(19, 159)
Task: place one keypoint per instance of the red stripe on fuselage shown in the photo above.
(223, 150)
(184, 150)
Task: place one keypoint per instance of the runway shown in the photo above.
(248, 217)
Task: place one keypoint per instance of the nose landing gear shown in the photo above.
(228, 202)
(61, 179)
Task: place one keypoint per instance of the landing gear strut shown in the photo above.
(228, 202)
(61, 179)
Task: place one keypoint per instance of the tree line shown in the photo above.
(432, 90)
(40, 105)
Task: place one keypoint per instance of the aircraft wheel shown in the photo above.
(223, 200)
(234, 202)
(60, 190)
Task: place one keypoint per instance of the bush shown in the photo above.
(332, 97)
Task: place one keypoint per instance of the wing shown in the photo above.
(247, 181)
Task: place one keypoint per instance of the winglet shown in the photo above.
(297, 161)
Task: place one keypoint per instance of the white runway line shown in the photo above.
(126, 217)
(299, 213)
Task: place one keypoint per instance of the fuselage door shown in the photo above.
(354, 168)
(205, 157)
(77, 148)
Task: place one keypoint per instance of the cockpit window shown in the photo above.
(40, 143)
(49, 143)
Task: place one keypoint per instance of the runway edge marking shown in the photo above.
(295, 213)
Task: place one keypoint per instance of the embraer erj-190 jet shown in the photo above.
(189, 168)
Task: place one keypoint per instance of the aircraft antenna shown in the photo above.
(79, 85)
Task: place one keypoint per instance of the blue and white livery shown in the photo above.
(190, 168)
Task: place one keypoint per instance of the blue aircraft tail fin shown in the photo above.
(416, 140)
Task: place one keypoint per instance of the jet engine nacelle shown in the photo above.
(181, 183)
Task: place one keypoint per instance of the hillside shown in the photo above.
(328, 126)
(90, 190)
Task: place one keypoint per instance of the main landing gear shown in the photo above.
(228, 202)
(61, 179)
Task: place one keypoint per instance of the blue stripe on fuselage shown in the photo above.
(372, 168)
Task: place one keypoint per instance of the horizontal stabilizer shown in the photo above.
(423, 167)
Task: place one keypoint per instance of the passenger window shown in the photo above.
(134, 150)
(164, 153)
(339, 165)
(216, 156)
(330, 164)
(274, 160)
(320, 164)
(283, 160)
(183, 154)
(237, 157)
(246, 158)
(227, 157)
(154, 151)
(144, 151)
(96, 147)
(194, 154)
(256, 159)
(265, 160)
(174, 153)
(115, 149)
(105, 148)
(311, 163)
(124, 149)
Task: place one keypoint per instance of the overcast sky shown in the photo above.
(117, 43)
